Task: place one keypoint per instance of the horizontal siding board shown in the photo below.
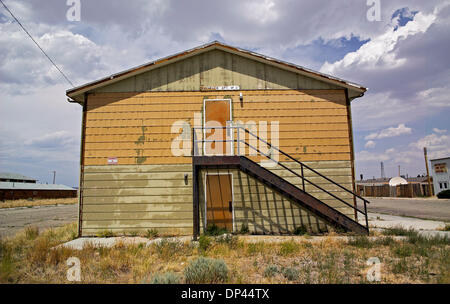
(142, 230)
(138, 199)
(138, 168)
(195, 104)
(108, 224)
(129, 176)
(167, 129)
(140, 183)
(132, 121)
(187, 160)
(329, 93)
(137, 208)
(286, 143)
(238, 114)
(167, 152)
(163, 191)
(137, 216)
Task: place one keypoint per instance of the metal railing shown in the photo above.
(229, 138)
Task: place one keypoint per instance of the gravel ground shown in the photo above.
(432, 209)
(12, 220)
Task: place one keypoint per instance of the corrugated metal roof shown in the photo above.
(31, 186)
(215, 44)
(7, 175)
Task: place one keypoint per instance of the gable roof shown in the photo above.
(32, 186)
(77, 92)
(15, 176)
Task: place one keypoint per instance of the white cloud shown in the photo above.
(435, 97)
(52, 140)
(369, 144)
(390, 132)
(436, 130)
(364, 156)
(438, 146)
(380, 52)
(262, 11)
(432, 142)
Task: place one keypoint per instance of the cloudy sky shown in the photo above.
(402, 58)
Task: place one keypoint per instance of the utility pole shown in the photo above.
(428, 173)
(398, 170)
(54, 176)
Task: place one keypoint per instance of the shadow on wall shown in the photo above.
(261, 209)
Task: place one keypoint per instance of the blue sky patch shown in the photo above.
(320, 50)
(403, 16)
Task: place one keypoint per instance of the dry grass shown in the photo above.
(38, 202)
(28, 258)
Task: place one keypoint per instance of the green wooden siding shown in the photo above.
(215, 68)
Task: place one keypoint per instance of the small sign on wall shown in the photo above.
(440, 168)
(221, 88)
(112, 160)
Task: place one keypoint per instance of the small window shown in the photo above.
(445, 185)
(440, 185)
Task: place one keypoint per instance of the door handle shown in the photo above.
(230, 206)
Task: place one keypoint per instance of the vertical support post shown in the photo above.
(238, 142)
(195, 200)
(303, 177)
(80, 185)
(193, 145)
(428, 173)
(352, 149)
(365, 213)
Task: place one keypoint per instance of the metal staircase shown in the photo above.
(237, 160)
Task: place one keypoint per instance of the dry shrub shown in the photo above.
(290, 273)
(206, 270)
(288, 248)
(166, 278)
(271, 270)
(254, 248)
(59, 255)
(39, 251)
(31, 232)
(169, 248)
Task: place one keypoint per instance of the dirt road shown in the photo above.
(435, 209)
(15, 219)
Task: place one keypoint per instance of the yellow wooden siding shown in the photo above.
(135, 128)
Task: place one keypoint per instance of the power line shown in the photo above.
(70, 82)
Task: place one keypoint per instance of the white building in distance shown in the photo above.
(440, 173)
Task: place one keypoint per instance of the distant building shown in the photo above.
(16, 186)
(440, 173)
(16, 178)
(394, 187)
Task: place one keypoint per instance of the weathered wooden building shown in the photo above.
(15, 186)
(179, 143)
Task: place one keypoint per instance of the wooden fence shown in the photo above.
(409, 190)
